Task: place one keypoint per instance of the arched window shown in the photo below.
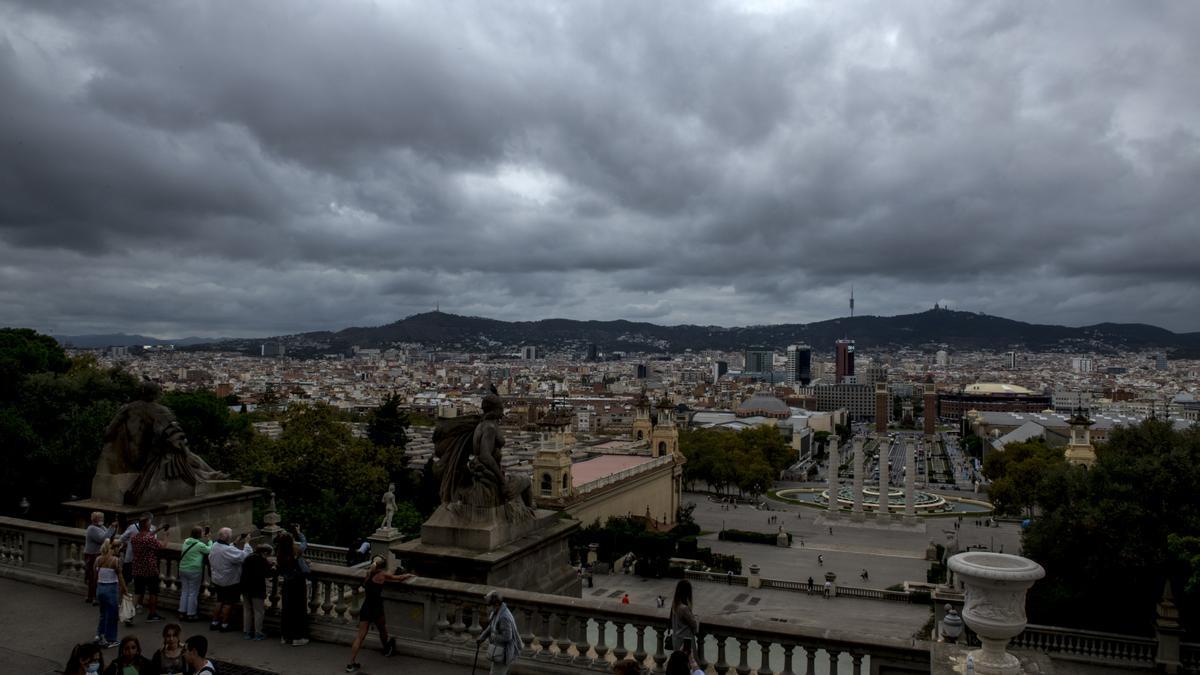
(565, 485)
(546, 484)
(662, 447)
(639, 436)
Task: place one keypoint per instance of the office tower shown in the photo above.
(530, 353)
(1160, 361)
(799, 364)
(843, 360)
(1081, 364)
(719, 368)
(759, 360)
(943, 358)
(1012, 360)
(593, 353)
(641, 371)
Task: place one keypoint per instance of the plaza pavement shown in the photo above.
(41, 625)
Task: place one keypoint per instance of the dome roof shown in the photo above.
(763, 404)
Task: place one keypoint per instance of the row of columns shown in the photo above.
(910, 478)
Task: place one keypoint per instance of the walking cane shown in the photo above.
(475, 661)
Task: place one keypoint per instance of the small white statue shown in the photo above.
(389, 507)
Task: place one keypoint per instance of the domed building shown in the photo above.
(763, 405)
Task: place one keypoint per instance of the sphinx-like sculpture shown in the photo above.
(145, 457)
(467, 453)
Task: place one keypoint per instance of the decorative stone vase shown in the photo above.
(995, 604)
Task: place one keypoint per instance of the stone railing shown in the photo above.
(437, 619)
(716, 577)
(1189, 653)
(818, 587)
(325, 554)
(1085, 645)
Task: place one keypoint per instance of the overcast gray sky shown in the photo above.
(233, 168)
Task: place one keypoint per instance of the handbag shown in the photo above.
(128, 608)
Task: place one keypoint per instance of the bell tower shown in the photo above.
(664, 440)
(552, 463)
(642, 428)
(1080, 450)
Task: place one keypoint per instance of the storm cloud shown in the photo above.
(264, 168)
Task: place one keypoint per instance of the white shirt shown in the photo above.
(225, 563)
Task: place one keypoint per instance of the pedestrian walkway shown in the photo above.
(41, 625)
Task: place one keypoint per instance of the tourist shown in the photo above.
(864, 575)
(810, 584)
(191, 571)
(146, 544)
(293, 588)
(127, 558)
(196, 652)
(502, 631)
(372, 611)
(661, 600)
(85, 659)
(728, 577)
(625, 599)
(225, 569)
(93, 537)
(169, 659)
(683, 663)
(129, 660)
(255, 571)
(684, 624)
(820, 560)
(828, 589)
(110, 588)
(831, 531)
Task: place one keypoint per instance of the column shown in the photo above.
(834, 462)
(859, 457)
(884, 452)
(910, 479)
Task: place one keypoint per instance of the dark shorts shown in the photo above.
(145, 585)
(228, 595)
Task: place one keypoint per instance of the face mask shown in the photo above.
(93, 667)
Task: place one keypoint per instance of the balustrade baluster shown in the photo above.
(721, 666)
(477, 618)
(764, 663)
(582, 646)
(442, 624)
(660, 655)
(327, 605)
(546, 637)
(856, 659)
(458, 628)
(639, 653)
(529, 638)
(701, 659)
(341, 605)
(563, 633)
(810, 655)
(743, 666)
(787, 660)
(620, 652)
(272, 603)
(601, 645)
(834, 655)
(314, 598)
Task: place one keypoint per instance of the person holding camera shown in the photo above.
(191, 571)
(225, 567)
(146, 545)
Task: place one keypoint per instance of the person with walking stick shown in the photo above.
(501, 631)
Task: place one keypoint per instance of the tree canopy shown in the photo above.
(747, 461)
(1111, 535)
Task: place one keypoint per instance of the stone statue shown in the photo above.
(145, 443)
(467, 452)
(389, 507)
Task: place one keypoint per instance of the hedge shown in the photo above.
(747, 536)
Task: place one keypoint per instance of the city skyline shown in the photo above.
(247, 171)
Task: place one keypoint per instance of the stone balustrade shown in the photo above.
(1085, 645)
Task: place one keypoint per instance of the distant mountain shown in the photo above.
(125, 340)
(930, 329)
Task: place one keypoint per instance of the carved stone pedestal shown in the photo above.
(233, 508)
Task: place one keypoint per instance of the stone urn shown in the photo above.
(994, 608)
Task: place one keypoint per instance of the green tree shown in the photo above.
(23, 352)
(387, 425)
(1111, 527)
(208, 425)
(1018, 473)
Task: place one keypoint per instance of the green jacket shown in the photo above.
(194, 560)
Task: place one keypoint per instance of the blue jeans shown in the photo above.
(189, 593)
(109, 596)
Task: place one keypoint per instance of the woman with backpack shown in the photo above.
(191, 571)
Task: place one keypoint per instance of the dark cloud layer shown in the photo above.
(260, 168)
